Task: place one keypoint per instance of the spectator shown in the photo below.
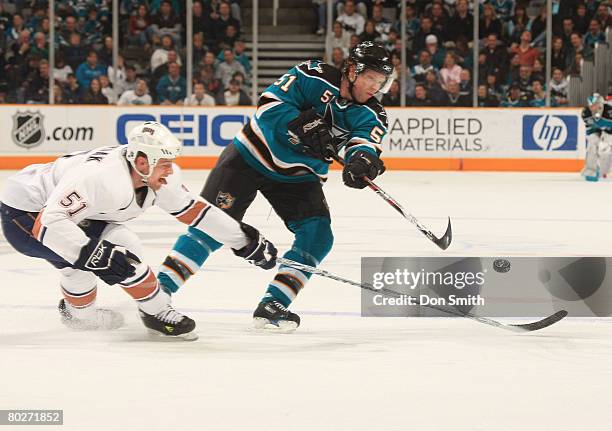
(424, 65)
(369, 33)
(239, 76)
(126, 83)
(321, 10)
(465, 83)
(433, 88)
(496, 56)
(226, 41)
(90, 69)
(514, 98)
(165, 23)
(559, 54)
(425, 30)
(61, 69)
(527, 54)
(503, 9)
(58, 94)
(160, 56)
(577, 47)
(234, 96)
(338, 58)
(539, 96)
(594, 35)
(163, 69)
(494, 89)
(239, 55)
(94, 96)
(567, 30)
(450, 72)
(461, 23)
(392, 98)
(121, 73)
(581, 20)
(351, 21)
(538, 28)
(199, 97)
(381, 24)
(420, 97)
(518, 24)
(138, 96)
(107, 90)
(603, 15)
(485, 99)
(559, 88)
(439, 20)
(139, 23)
(454, 97)
(40, 46)
(68, 28)
(105, 54)
(354, 41)
(360, 5)
(74, 52)
(340, 38)
(525, 81)
(223, 20)
(537, 71)
(72, 90)
(392, 38)
(93, 29)
(437, 53)
(413, 23)
(172, 88)
(16, 28)
(228, 67)
(199, 49)
(576, 67)
(489, 22)
(37, 85)
(207, 77)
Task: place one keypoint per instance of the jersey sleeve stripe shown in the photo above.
(317, 77)
(178, 213)
(192, 213)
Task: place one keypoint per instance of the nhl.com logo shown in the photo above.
(28, 129)
(550, 132)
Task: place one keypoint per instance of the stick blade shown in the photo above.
(540, 324)
(445, 240)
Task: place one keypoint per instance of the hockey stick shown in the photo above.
(517, 327)
(443, 242)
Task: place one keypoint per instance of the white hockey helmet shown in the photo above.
(155, 141)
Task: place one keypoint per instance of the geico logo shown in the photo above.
(193, 130)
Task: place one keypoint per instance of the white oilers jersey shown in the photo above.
(97, 185)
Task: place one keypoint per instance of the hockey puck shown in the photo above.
(501, 265)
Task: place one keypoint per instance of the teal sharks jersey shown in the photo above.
(266, 145)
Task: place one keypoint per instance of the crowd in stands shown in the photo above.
(151, 67)
(439, 47)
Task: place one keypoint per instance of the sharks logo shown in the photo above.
(224, 200)
(28, 129)
(340, 135)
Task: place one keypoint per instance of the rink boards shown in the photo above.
(475, 139)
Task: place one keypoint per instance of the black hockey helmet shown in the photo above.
(373, 56)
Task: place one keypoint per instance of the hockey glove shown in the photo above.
(110, 262)
(259, 251)
(314, 135)
(362, 164)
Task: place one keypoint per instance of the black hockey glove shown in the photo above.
(259, 252)
(314, 135)
(362, 164)
(112, 263)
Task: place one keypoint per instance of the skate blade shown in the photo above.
(158, 336)
(283, 327)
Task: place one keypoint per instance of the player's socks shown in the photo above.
(288, 281)
(89, 318)
(187, 256)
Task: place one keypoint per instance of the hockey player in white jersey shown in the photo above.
(597, 117)
(70, 213)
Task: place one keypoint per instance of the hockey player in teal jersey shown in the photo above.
(310, 116)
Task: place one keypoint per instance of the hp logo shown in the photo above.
(550, 132)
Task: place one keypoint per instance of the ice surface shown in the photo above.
(338, 371)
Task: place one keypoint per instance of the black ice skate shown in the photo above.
(169, 323)
(274, 316)
(93, 319)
